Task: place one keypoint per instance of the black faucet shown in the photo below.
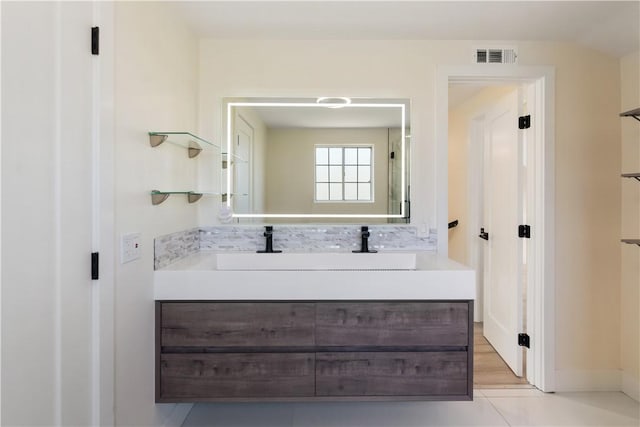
(268, 233)
(364, 246)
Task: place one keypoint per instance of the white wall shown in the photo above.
(587, 162)
(630, 291)
(156, 70)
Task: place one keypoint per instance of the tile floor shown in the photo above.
(490, 407)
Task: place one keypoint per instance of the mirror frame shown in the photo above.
(327, 102)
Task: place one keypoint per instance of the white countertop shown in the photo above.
(196, 278)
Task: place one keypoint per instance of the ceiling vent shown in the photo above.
(495, 56)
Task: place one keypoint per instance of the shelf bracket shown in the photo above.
(194, 149)
(157, 197)
(157, 139)
(194, 197)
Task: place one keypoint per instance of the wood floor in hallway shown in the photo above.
(489, 370)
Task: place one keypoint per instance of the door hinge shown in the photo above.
(524, 122)
(523, 340)
(95, 265)
(524, 231)
(95, 40)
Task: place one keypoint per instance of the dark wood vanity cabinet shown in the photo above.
(305, 350)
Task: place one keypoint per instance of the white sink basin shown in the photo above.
(316, 261)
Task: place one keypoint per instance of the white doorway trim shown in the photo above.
(541, 286)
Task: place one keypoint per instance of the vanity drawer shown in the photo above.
(392, 374)
(231, 324)
(233, 375)
(396, 324)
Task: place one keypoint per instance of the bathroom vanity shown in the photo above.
(330, 334)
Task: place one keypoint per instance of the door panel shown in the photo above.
(502, 250)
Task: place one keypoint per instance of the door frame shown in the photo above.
(541, 272)
(103, 205)
(241, 118)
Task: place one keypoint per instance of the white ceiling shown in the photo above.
(609, 26)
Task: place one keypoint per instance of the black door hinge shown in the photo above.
(95, 265)
(95, 40)
(524, 122)
(523, 340)
(524, 231)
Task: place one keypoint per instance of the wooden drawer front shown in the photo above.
(392, 324)
(391, 374)
(201, 376)
(237, 324)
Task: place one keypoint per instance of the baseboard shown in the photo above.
(178, 415)
(588, 380)
(631, 386)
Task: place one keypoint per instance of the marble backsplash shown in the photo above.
(288, 238)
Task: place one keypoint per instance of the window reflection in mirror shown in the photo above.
(297, 160)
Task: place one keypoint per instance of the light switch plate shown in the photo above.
(130, 247)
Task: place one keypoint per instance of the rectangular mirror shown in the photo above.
(317, 159)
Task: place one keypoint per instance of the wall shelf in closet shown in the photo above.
(635, 113)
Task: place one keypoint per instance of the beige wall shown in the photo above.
(587, 199)
(290, 174)
(156, 65)
(630, 290)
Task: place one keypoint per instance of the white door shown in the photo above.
(50, 336)
(242, 170)
(501, 217)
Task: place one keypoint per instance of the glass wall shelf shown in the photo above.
(191, 142)
(158, 197)
(631, 241)
(635, 175)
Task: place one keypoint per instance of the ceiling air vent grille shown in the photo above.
(495, 56)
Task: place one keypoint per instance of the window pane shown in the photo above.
(351, 173)
(335, 173)
(335, 156)
(322, 191)
(364, 173)
(335, 191)
(350, 156)
(322, 156)
(351, 191)
(322, 173)
(364, 191)
(364, 156)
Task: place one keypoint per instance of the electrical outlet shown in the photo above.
(130, 247)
